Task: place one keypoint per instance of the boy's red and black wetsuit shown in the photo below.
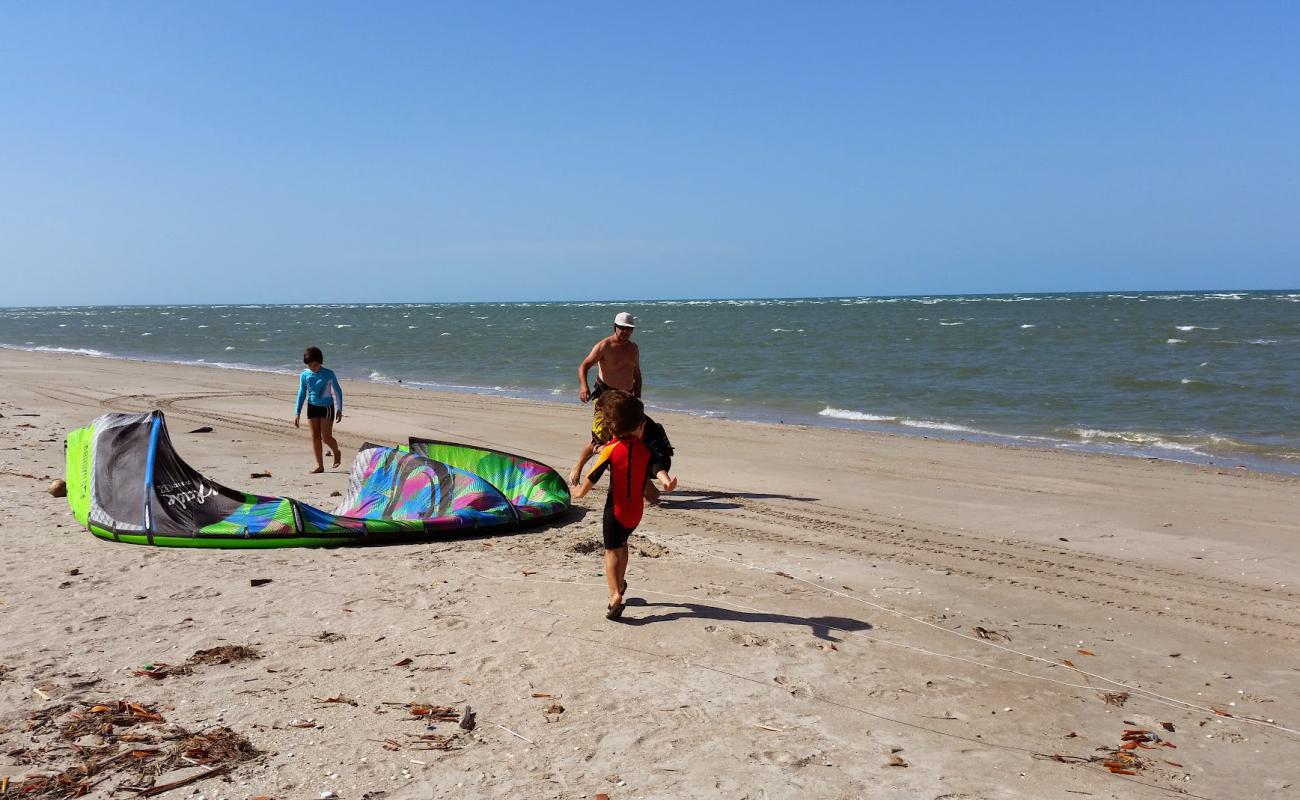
(628, 462)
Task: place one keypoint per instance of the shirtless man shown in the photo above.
(618, 363)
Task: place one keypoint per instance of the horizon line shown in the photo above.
(616, 301)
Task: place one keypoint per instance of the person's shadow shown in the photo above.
(820, 627)
(721, 500)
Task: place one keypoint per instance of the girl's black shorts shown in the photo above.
(320, 412)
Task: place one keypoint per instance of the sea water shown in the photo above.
(1210, 377)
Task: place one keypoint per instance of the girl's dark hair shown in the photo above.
(313, 354)
(623, 411)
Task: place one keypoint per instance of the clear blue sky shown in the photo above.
(322, 151)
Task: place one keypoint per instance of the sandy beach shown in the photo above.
(816, 613)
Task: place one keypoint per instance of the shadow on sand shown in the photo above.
(821, 627)
(716, 501)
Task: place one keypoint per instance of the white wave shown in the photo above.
(1194, 328)
(952, 323)
(81, 351)
(1132, 438)
(445, 333)
(230, 347)
(1261, 341)
(1028, 326)
(147, 333)
(343, 326)
(202, 326)
(412, 327)
(856, 416)
(932, 425)
(1175, 341)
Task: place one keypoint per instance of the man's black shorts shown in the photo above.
(320, 412)
(614, 532)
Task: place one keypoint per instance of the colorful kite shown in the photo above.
(127, 483)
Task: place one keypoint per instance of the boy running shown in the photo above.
(628, 461)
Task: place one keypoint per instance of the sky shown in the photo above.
(338, 152)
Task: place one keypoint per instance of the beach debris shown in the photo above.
(430, 741)
(467, 719)
(225, 654)
(336, 493)
(602, 796)
(302, 723)
(1126, 758)
(1086, 653)
(159, 670)
(1117, 699)
(586, 548)
(58, 488)
(439, 713)
(768, 728)
(542, 694)
(895, 760)
(991, 635)
(204, 429)
(1169, 726)
(131, 739)
(404, 662)
(555, 708)
(259, 474)
(338, 699)
(512, 733)
(258, 581)
(329, 637)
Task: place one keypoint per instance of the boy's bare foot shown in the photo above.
(338, 459)
(317, 471)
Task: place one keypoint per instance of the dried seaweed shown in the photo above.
(128, 739)
(225, 654)
(159, 670)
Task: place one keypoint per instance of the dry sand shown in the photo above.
(806, 617)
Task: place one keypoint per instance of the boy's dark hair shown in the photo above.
(313, 354)
(623, 411)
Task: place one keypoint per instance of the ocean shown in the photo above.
(1205, 377)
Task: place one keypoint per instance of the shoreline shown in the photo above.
(887, 425)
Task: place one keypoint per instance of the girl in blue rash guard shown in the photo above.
(320, 388)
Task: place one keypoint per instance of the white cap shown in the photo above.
(625, 320)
